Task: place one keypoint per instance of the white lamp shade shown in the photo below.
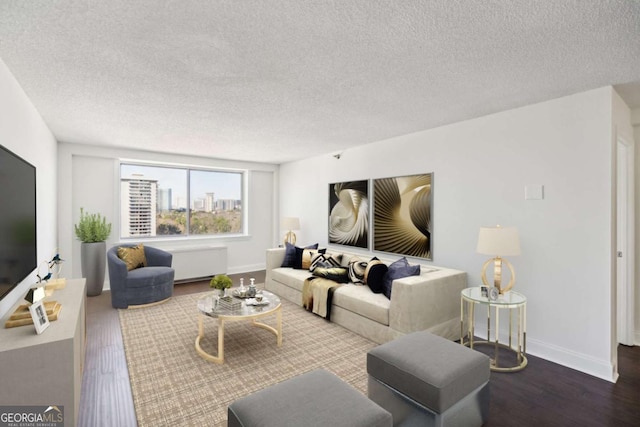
(290, 223)
(498, 241)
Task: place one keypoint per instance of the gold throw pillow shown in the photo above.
(133, 256)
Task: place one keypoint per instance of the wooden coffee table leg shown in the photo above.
(221, 340)
(277, 331)
(206, 356)
(279, 325)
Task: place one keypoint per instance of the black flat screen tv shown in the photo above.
(18, 243)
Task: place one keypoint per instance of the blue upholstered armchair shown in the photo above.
(142, 285)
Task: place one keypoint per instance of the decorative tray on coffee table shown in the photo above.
(236, 293)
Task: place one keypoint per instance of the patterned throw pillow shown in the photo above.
(374, 275)
(325, 260)
(357, 268)
(133, 257)
(398, 270)
(308, 255)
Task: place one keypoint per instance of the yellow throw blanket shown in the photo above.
(317, 294)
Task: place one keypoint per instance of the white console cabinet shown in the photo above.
(46, 369)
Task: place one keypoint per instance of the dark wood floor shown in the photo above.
(106, 399)
(543, 394)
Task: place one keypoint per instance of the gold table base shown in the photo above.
(516, 302)
(219, 359)
(522, 359)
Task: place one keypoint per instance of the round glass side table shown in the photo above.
(517, 344)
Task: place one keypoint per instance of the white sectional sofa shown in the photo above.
(428, 302)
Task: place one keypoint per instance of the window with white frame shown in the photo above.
(163, 201)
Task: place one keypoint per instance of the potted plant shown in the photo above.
(92, 231)
(220, 282)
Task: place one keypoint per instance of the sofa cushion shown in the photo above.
(325, 260)
(133, 256)
(302, 254)
(346, 259)
(397, 270)
(361, 300)
(293, 255)
(337, 274)
(290, 277)
(357, 268)
(308, 255)
(289, 255)
(374, 275)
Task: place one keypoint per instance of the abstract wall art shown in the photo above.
(349, 213)
(402, 215)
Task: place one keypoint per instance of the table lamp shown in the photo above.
(290, 223)
(498, 241)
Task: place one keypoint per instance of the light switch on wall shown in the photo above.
(534, 192)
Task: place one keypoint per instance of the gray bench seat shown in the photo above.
(315, 399)
(424, 379)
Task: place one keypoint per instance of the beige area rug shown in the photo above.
(173, 386)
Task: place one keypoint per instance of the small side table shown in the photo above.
(512, 301)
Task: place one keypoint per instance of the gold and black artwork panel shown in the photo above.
(402, 214)
(349, 207)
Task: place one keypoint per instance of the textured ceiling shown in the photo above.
(274, 81)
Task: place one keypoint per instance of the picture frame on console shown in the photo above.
(402, 215)
(39, 316)
(349, 208)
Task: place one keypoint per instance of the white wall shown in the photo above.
(635, 121)
(622, 133)
(481, 168)
(23, 131)
(89, 178)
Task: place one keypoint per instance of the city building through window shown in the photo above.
(158, 201)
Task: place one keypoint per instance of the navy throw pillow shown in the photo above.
(293, 255)
(398, 270)
(374, 275)
(289, 255)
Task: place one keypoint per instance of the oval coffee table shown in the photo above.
(208, 308)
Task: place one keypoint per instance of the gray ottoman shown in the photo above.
(426, 380)
(315, 399)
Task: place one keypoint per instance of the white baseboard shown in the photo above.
(246, 268)
(637, 338)
(598, 368)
